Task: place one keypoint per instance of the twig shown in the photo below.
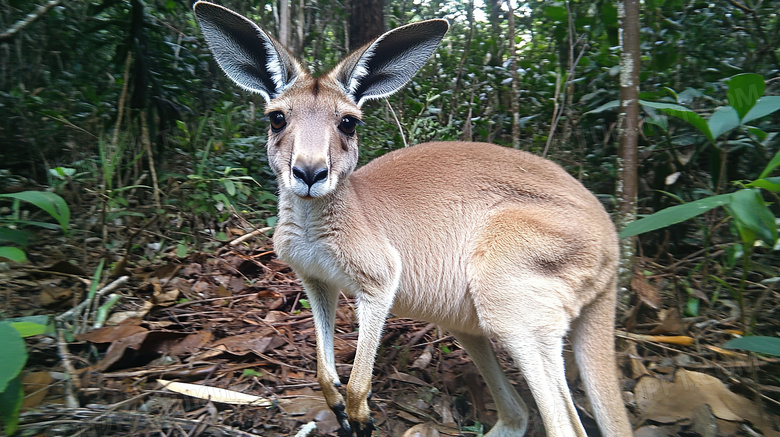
(73, 312)
(24, 22)
(307, 429)
(400, 128)
(147, 143)
(70, 384)
(245, 237)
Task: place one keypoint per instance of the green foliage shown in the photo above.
(12, 332)
(758, 344)
(11, 226)
(753, 217)
(14, 359)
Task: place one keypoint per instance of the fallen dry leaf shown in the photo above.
(668, 402)
(36, 386)
(646, 292)
(215, 394)
(422, 430)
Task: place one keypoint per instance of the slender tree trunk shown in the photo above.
(628, 125)
(300, 28)
(366, 21)
(284, 22)
(461, 66)
(515, 79)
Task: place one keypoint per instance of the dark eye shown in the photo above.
(277, 121)
(348, 124)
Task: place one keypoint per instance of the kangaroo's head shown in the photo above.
(312, 142)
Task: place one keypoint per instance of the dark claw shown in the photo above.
(364, 429)
(341, 417)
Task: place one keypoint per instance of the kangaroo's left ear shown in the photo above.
(385, 65)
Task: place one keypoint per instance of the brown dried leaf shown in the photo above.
(424, 359)
(191, 343)
(109, 334)
(258, 342)
(670, 322)
(646, 292)
(123, 316)
(36, 387)
(667, 402)
(405, 377)
(422, 430)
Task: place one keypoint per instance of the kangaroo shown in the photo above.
(483, 240)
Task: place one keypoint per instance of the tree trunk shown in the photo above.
(366, 21)
(628, 130)
(515, 79)
(284, 22)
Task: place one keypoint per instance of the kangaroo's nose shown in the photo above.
(310, 175)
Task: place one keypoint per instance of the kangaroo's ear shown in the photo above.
(247, 55)
(383, 66)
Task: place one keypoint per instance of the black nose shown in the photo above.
(310, 175)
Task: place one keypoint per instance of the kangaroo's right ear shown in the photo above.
(247, 55)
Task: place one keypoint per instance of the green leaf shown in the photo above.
(723, 120)
(771, 166)
(93, 285)
(609, 105)
(28, 329)
(763, 107)
(752, 215)
(673, 215)
(17, 236)
(230, 187)
(14, 354)
(758, 344)
(251, 372)
(13, 253)
(769, 184)
(682, 113)
(744, 91)
(11, 404)
(557, 13)
(32, 325)
(760, 135)
(49, 202)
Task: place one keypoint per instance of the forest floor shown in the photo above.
(233, 317)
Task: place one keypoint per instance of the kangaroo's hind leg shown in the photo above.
(512, 411)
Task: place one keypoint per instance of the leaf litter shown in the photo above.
(233, 324)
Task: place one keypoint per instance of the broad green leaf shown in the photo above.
(769, 184)
(673, 215)
(723, 120)
(11, 404)
(744, 91)
(49, 202)
(758, 344)
(230, 187)
(771, 166)
(14, 354)
(17, 236)
(682, 113)
(13, 253)
(32, 325)
(764, 106)
(609, 105)
(760, 135)
(751, 213)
